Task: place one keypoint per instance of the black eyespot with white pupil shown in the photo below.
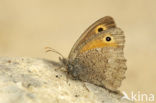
(100, 29)
(108, 38)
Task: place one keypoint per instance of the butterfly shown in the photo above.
(97, 56)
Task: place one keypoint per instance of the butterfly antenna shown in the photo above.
(49, 49)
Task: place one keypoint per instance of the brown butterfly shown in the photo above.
(97, 57)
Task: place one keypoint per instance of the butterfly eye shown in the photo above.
(108, 38)
(100, 29)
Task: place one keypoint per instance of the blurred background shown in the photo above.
(27, 26)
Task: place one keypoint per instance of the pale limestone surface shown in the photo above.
(32, 80)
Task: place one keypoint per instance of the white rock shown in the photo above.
(32, 80)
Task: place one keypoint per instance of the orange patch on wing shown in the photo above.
(97, 44)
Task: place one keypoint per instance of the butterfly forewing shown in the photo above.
(104, 23)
